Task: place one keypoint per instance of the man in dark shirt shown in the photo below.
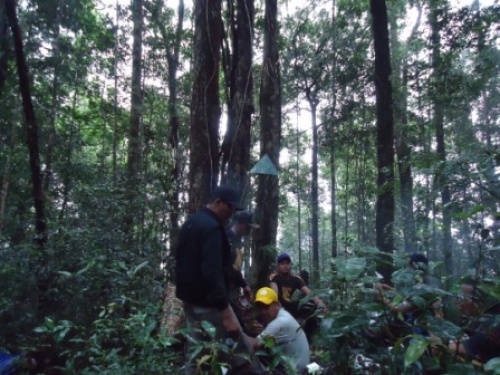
(203, 261)
(285, 283)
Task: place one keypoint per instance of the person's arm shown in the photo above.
(403, 307)
(255, 342)
(305, 289)
(274, 287)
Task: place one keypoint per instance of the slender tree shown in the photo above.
(438, 119)
(236, 145)
(136, 110)
(332, 133)
(205, 103)
(267, 209)
(385, 134)
(54, 105)
(4, 45)
(403, 146)
(32, 130)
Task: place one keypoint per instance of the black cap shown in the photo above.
(228, 195)
(245, 217)
(283, 256)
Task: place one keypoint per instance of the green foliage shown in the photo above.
(356, 329)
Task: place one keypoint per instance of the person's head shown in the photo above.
(418, 261)
(224, 201)
(266, 301)
(284, 262)
(243, 223)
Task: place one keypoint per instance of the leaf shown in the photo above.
(415, 350)
(65, 273)
(418, 301)
(204, 359)
(208, 328)
(140, 266)
(351, 268)
(493, 365)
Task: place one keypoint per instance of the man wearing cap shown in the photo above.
(285, 283)
(282, 327)
(203, 260)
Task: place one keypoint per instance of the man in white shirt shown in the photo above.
(282, 327)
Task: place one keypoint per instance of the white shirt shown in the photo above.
(288, 333)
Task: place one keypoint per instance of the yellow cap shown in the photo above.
(266, 296)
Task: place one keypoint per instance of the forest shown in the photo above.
(357, 132)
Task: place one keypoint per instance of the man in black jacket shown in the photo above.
(203, 263)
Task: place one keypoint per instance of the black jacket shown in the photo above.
(203, 261)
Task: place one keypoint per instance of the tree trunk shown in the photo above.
(173, 195)
(385, 135)
(136, 110)
(31, 125)
(54, 106)
(4, 46)
(438, 119)
(403, 149)
(236, 146)
(205, 104)
(267, 209)
(172, 51)
(115, 94)
(314, 194)
(333, 169)
(4, 188)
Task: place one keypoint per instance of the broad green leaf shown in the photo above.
(415, 350)
(493, 365)
(209, 328)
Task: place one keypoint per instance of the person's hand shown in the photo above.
(231, 323)
(248, 293)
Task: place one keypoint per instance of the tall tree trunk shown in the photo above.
(205, 104)
(115, 94)
(174, 192)
(31, 125)
(4, 187)
(403, 149)
(236, 146)
(438, 119)
(313, 103)
(333, 169)
(385, 135)
(70, 142)
(267, 209)
(4, 46)
(299, 190)
(136, 110)
(172, 51)
(54, 105)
